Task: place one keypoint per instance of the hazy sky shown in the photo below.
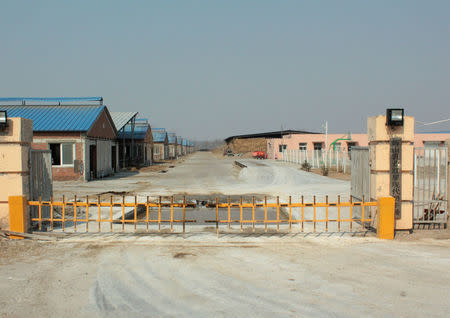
(211, 69)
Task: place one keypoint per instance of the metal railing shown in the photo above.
(337, 159)
(120, 213)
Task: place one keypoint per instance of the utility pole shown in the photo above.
(326, 143)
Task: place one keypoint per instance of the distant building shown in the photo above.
(179, 146)
(172, 138)
(125, 121)
(258, 141)
(160, 144)
(142, 143)
(318, 143)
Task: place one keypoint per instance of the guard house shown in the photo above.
(160, 144)
(172, 137)
(179, 146)
(143, 141)
(125, 121)
(79, 132)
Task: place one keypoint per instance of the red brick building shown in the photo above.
(82, 138)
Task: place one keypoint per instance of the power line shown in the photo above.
(432, 123)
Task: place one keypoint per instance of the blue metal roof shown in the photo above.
(185, 142)
(179, 140)
(51, 99)
(140, 131)
(159, 136)
(57, 118)
(172, 137)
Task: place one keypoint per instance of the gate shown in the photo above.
(130, 214)
(430, 186)
(41, 186)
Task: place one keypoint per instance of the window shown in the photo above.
(56, 154)
(281, 148)
(302, 146)
(156, 149)
(350, 145)
(317, 146)
(62, 154)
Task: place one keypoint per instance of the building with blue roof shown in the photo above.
(179, 146)
(80, 136)
(172, 138)
(160, 144)
(139, 138)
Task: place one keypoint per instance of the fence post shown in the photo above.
(18, 215)
(386, 218)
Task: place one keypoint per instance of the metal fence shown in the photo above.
(337, 159)
(360, 173)
(430, 185)
(168, 213)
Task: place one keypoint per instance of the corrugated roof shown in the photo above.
(272, 134)
(159, 136)
(140, 131)
(172, 137)
(51, 99)
(120, 119)
(57, 118)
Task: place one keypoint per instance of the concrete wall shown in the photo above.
(172, 151)
(15, 143)
(104, 158)
(158, 151)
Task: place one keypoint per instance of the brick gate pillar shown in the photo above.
(15, 143)
(380, 144)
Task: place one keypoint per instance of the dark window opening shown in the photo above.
(56, 154)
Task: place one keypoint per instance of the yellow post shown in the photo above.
(386, 218)
(18, 215)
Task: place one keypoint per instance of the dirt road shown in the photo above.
(198, 274)
(203, 276)
(203, 173)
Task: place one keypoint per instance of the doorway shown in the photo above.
(93, 162)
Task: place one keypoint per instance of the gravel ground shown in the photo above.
(201, 274)
(231, 276)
